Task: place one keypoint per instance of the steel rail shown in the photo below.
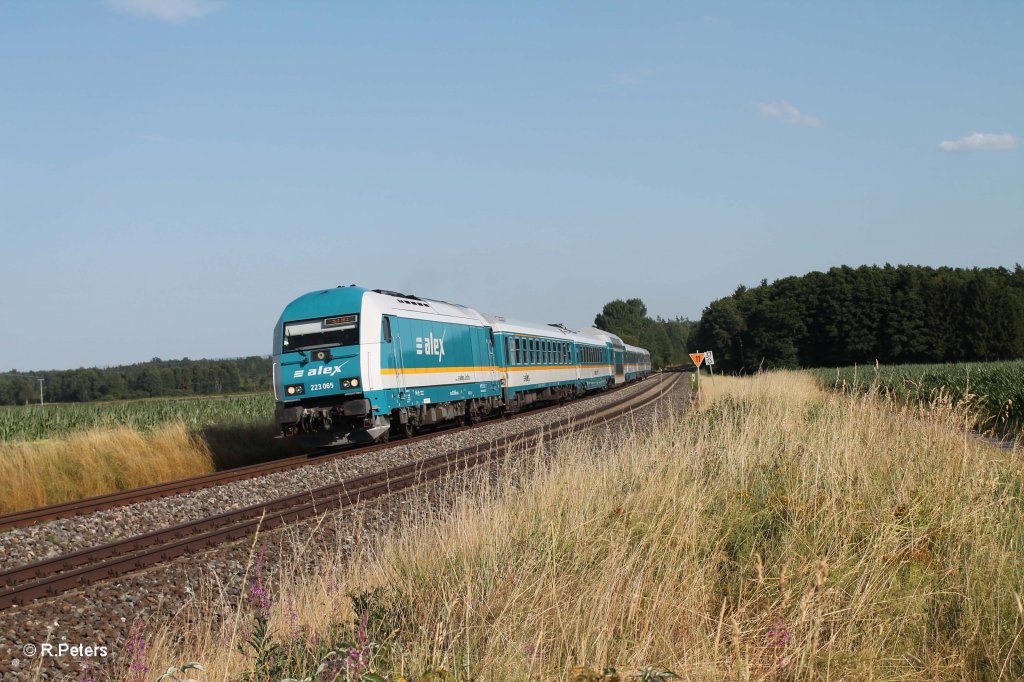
(51, 577)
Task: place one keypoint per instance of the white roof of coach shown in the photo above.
(591, 336)
(502, 324)
(602, 336)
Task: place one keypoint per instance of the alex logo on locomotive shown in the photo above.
(323, 370)
(431, 345)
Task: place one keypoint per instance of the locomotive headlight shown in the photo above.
(355, 382)
(295, 389)
(291, 390)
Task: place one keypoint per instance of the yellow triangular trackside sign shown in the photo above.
(697, 358)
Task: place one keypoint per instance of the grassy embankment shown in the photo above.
(994, 390)
(781, 531)
(55, 453)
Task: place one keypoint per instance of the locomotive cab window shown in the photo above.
(340, 330)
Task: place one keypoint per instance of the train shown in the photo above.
(354, 365)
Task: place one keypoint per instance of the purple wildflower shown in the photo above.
(136, 650)
(259, 595)
(359, 656)
(778, 636)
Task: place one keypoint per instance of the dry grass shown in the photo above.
(87, 463)
(778, 532)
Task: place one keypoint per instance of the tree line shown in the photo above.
(157, 378)
(892, 314)
(667, 340)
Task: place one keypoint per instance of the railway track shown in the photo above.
(122, 498)
(54, 576)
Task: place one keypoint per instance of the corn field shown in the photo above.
(33, 422)
(994, 389)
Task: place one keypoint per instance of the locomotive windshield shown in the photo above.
(341, 330)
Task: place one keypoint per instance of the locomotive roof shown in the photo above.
(350, 299)
(337, 301)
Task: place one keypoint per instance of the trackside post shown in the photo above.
(697, 358)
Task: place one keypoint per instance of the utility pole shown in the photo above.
(29, 376)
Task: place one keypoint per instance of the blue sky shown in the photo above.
(173, 172)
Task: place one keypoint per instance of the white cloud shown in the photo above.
(982, 142)
(784, 111)
(171, 11)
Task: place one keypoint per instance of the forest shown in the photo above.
(891, 314)
(166, 378)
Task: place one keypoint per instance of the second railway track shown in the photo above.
(54, 576)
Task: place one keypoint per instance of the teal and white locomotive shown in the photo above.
(357, 365)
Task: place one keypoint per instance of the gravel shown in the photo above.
(102, 614)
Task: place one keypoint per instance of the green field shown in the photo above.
(32, 422)
(995, 389)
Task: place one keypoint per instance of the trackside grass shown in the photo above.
(88, 463)
(994, 390)
(56, 453)
(777, 532)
